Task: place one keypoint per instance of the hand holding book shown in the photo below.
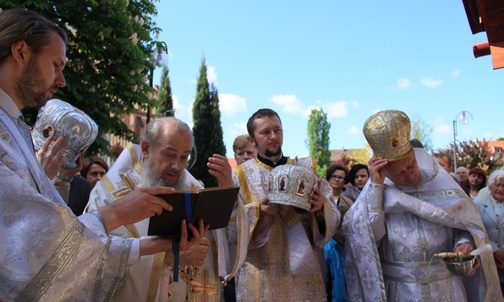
(213, 205)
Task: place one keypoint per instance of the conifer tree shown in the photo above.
(207, 129)
(164, 99)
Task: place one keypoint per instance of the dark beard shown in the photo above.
(269, 153)
(25, 87)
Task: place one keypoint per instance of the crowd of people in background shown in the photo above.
(370, 232)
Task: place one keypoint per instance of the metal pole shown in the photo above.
(151, 75)
(455, 145)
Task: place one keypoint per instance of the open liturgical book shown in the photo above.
(213, 205)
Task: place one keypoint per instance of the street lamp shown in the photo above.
(156, 60)
(462, 117)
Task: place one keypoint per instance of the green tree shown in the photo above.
(108, 57)
(164, 99)
(318, 139)
(421, 131)
(207, 129)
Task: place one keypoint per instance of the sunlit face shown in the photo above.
(42, 75)
(361, 177)
(268, 136)
(404, 172)
(243, 154)
(462, 174)
(497, 189)
(94, 174)
(337, 179)
(166, 160)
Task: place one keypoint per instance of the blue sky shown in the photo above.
(350, 58)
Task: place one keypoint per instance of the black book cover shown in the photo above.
(213, 205)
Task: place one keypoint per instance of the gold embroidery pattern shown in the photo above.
(204, 290)
(155, 275)
(186, 272)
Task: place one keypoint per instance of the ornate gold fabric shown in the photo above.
(388, 134)
(286, 263)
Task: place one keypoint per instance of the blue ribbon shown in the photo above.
(176, 251)
(189, 218)
(176, 243)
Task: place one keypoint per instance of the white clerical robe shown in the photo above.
(46, 252)
(393, 232)
(285, 262)
(150, 280)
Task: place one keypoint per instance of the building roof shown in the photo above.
(487, 16)
(496, 146)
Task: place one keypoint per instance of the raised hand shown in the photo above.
(219, 168)
(377, 169)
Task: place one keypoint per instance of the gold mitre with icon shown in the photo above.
(388, 134)
(291, 185)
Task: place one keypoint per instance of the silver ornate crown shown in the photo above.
(291, 185)
(59, 118)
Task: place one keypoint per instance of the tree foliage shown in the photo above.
(108, 57)
(164, 98)
(318, 139)
(362, 156)
(472, 154)
(421, 131)
(207, 129)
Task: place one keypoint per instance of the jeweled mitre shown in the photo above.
(59, 118)
(388, 134)
(291, 185)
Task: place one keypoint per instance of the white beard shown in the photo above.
(149, 178)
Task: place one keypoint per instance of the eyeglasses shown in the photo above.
(337, 177)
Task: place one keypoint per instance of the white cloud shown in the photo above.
(239, 128)
(337, 109)
(404, 83)
(456, 73)
(230, 104)
(212, 75)
(289, 103)
(182, 112)
(431, 82)
(439, 126)
(353, 131)
(355, 104)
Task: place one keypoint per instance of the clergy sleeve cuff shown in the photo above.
(134, 255)
(375, 197)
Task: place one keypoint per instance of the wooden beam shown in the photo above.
(497, 51)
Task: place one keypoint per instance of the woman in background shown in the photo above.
(477, 181)
(491, 209)
(334, 250)
(357, 177)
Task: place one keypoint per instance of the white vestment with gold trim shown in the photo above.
(284, 262)
(46, 252)
(150, 279)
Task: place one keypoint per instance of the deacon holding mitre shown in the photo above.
(291, 219)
